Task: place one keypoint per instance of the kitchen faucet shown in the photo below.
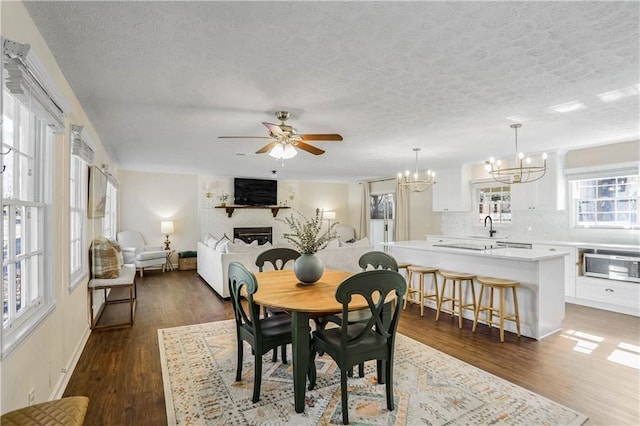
(491, 230)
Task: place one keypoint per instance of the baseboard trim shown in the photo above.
(65, 374)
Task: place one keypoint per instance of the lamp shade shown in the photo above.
(331, 215)
(166, 227)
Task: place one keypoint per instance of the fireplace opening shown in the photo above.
(249, 235)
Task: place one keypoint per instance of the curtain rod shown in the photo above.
(379, 180)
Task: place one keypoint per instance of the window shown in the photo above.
(30, 121)
(111, 210)
(607, 202)
(81, 157)
(27, 288)
(78, 250)
(493, 200)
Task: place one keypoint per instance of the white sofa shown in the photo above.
(213, 264)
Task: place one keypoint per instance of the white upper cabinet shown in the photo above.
(548, 193)
(452, 192)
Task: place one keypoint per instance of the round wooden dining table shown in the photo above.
(282, 290)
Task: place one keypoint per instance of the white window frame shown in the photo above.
(37, 239)
(599, 174)
(78, 249)
(110, 221)
(496, 218)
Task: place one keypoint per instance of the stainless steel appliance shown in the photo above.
(612, 265)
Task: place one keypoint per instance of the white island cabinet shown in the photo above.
(539, 272)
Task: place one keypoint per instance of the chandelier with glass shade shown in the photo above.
(416, 182)
(523, 171)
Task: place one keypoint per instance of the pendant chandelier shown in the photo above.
(416, 182)
(523, 171)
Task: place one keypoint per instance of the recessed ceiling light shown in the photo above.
(614, 95)
(568, 107)
(240, 154)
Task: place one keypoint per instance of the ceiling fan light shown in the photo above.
(289, 152)
(277, 151)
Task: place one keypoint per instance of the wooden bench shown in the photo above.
(126, 280)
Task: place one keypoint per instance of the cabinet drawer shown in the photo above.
(608, 291)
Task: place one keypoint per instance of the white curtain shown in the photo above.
(402, 214)
(365, 214)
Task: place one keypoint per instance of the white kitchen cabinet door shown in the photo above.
(570, 266)
(452, 192)
(548, 193)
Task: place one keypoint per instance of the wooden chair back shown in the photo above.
(278, 257)
(378, 260)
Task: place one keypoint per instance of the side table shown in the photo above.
(168, 265)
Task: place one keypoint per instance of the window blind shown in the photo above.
(79, 147)
(23, 84)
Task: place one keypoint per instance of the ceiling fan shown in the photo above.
(285, 139)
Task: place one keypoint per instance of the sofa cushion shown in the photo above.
(239, 248)
(104, 259)
(150, 255)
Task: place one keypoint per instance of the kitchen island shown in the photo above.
(540, 273)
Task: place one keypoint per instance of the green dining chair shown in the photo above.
(377, 260)
(262, 334)
(278, 257)
(355, 342)
(369, 260)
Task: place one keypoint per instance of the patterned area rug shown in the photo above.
(430, 387)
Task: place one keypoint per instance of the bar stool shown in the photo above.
(456, 278)
(502, 285)
(422, 270)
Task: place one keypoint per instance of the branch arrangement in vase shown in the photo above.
(307, 235)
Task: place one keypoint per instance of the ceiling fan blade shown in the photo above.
(273, 128)
(243, 137)
(309, 148)
(267, 147)
(321, 137)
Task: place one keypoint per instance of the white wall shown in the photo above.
(45, 359)
(148, 198)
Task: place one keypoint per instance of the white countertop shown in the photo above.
(496, 253)
(578, 244)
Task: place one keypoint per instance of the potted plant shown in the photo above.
(223, 199)
(308, 236)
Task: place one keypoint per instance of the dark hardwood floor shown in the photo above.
(119, 370)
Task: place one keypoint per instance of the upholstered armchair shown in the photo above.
(135, 251)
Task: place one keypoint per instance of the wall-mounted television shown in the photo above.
(97, 193)
(255, 192)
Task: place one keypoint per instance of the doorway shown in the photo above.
(381, 208)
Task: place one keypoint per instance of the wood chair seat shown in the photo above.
(420, 291)
(457, 278)
(501, 284)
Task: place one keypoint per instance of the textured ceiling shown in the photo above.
(160, 81)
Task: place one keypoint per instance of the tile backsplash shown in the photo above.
(536, 225)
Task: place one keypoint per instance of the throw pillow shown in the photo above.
(361, 243)
(222, 246)
(211, 242)
(116, 246)
(104, 259)
(238, 248)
